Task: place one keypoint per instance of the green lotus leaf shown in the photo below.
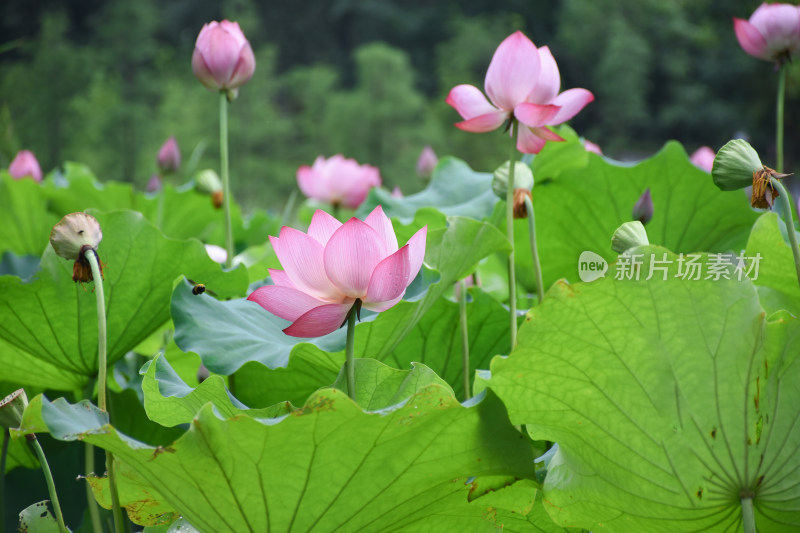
(328, 465)
(776, 276)
(671, 399)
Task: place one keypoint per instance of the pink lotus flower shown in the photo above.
(222, 58)
(396, 192)
(25, 165)
(338, 181)
(332, 266)
(703, 158)
(522, 83)
(169, 156)
(426, 162)
(154, 184)
(772, 33)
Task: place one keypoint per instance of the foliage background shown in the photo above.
(106, 82)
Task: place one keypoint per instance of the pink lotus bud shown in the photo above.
(337, 266)
(427, 162)
(396, 192)
(592, 147)
(772, 33)
(25, 165)
(217, 253)
(643, 209)
(338, 181)
(154, 183)
(222, 58)
(169, 156)
(703, 158)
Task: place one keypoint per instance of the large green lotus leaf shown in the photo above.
(777, 278)
(581, 209)
(24, 217)
(169, 401)
(309, 369)
(229, 334)
(20, 367)
(327, 466)
(669, 399)
(53, 320)
(454, 189)
(37, 518)
(379, 386)
(436, 340)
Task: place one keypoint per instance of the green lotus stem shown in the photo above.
(748, 516)
(779, 121)
(48, 476)
(462, 314)
(512, 278)
(102, 373)
(226, 186)
(537, 267)
(3, 455)
(94, 511)
(160, 208)
(287, 209)
(787, 208)
(349, 361)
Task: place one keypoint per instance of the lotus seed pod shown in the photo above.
(734, 165)
(523, 178)
(11, 408)
(629, 235)
(74, 233)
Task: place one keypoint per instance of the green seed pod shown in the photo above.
(734, 165)
(523, 178)
(629, 235)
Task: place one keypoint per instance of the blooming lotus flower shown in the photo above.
(703, 158)
(334, 265)
(169, 156)
(338, 181)
(25, 165)
(222, 58)
(426, 162)
(772, 33)
(522, 83)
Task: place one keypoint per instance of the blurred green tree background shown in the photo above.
(106, 82)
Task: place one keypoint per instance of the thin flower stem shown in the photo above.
(748, 516)
(102, 373)
(3, 455)
(512, 281)
(226, 187)
(94, 512)
(537, 267)
(779, 117)
(160, 208)
(349, 362)
(787, 209)
(462, 313)
(48, 476)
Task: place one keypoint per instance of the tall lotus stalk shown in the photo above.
(334, 270)
(76, 238)
(224, 61)
(523, 84)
